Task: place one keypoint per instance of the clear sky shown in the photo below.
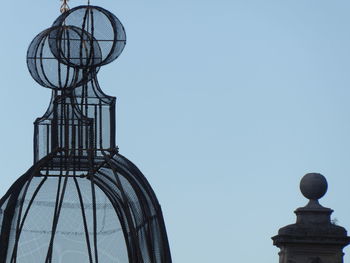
(223, 104)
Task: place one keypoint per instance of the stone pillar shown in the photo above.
(313, 238)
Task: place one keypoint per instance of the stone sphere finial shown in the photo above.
(313, 186)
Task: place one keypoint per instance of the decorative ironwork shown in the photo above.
(65, 7)
(81, 201)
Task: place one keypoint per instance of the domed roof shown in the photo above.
(81, 201)
(111, 215)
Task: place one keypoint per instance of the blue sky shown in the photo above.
(224, 105)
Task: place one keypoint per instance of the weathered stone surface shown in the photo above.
(313, 238)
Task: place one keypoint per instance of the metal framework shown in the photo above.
(81, 201)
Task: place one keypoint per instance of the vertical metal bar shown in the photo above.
(84, 219)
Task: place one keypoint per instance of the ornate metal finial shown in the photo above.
(66, 58)
(64, 6)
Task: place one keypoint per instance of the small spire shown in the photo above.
(64, 6)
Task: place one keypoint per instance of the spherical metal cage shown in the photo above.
(44, 66)
(104, 28)
(75, 47)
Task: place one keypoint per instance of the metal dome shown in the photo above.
(81, 201)
(111, 215)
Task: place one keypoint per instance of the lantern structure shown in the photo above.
(81, 201)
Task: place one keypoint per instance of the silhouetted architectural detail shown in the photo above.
(313, 238)
(81, 201)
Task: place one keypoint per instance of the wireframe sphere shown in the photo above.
(74, 47)
(46, 69)
(313, 186)
(104, 28)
